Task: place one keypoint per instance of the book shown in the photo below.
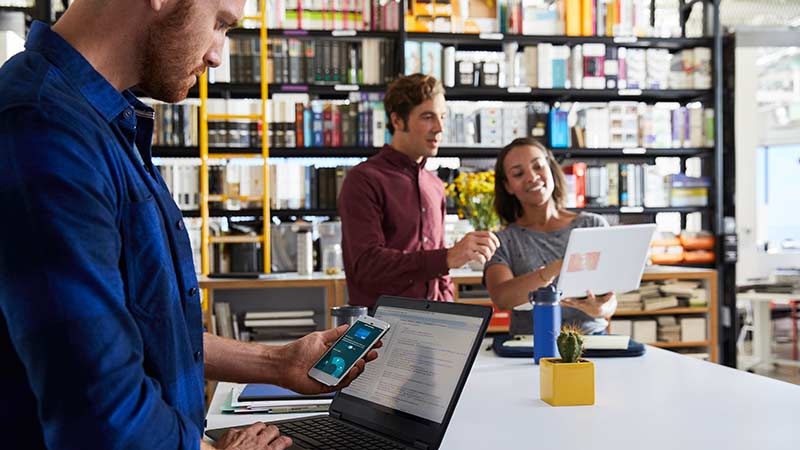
(266, 392)
(651, 304)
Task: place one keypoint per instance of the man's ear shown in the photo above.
(397, 122)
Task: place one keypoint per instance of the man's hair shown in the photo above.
(407, 92)
(507, 206)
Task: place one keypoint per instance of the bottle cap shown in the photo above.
(547, 295)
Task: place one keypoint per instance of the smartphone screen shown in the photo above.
(351, 347)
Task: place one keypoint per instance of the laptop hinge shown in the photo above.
(335, 414)
(421, 445)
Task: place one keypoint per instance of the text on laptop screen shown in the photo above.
(420, 363)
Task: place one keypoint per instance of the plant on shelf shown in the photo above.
(569, 380)
(473, 194)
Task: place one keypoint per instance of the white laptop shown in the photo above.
(605, 259)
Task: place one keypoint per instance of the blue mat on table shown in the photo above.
(634, 349)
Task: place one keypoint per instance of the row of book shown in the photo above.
(580, 125)
(176, 124)
(580, 18)
(671, 293)
(632, 185)
(306, 61)
(261, 326)
(548, 66)
(667, 329)
(362, 15)
(299, 186)
(631, 124)
(293, 186)
(298, 121)
(544, 17)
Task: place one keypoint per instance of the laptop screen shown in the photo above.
(421, 362)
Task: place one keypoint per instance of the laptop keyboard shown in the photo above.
(330, 434)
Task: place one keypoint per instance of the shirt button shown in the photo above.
(424, 238)
(127, 114)
(197, 356)
(193, 292)
(410, 281)
(179, 224)
(424, 209)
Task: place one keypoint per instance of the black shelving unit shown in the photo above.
(713, 157)
(528, 94)
(637, 153)
(346, 35)
(495, 39)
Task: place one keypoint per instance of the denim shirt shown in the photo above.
(100, 328)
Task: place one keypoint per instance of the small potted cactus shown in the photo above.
(569, 380)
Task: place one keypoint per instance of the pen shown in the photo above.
(298, 409)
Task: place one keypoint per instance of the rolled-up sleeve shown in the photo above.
(63, 296)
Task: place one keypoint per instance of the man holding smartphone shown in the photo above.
(100, 312)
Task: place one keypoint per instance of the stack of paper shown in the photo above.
(271, 399)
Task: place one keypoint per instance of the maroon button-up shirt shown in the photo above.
(392, 212)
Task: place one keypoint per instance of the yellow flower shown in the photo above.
(473, 194)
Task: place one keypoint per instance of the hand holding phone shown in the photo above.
(345, 352)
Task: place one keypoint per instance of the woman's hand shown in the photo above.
(594, 306)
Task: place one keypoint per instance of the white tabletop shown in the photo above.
(659, 401)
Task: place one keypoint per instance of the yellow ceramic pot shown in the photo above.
(566, 384)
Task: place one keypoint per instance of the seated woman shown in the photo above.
(530, 196)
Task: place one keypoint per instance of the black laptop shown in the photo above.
(405, 398)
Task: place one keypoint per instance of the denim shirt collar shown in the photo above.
(103, 97)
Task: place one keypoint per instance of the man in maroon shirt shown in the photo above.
(393, 210)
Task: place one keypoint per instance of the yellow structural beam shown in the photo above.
(236, 239)
(243, 198)
(235, 117)
(265, 141)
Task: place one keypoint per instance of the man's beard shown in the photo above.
(167, 61)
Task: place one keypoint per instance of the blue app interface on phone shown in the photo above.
(345, 353)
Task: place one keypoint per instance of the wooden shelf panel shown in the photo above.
(475, 301)
(692, 310)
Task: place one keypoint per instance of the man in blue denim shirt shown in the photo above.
(100, 325)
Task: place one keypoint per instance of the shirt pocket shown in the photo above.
(150, 279)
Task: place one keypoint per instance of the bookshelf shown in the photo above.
(711, 155)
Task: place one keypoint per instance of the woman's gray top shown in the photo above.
(524, 250)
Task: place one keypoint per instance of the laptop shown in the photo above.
(406, 397)
(605, 259)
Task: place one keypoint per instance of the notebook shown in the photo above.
(405, 398)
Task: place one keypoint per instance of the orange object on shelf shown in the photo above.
(698, 256)
(666, 258)
(697, 241)
(665, 240)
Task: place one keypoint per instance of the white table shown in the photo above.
(762, 328)
(659, 401)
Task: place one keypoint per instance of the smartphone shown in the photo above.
(343, 354)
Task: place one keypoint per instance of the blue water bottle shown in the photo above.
(546, 321)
